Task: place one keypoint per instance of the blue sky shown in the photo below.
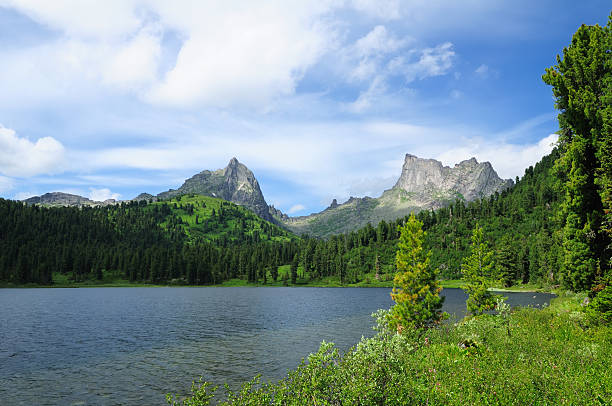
(320, 100)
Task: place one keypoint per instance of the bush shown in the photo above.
(550, 358)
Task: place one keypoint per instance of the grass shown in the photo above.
(531, 357)
(369, 280)
(236, 221)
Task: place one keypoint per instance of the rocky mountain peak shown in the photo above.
(65, 199)
(234, 183)
(233, 162)
(428, 179)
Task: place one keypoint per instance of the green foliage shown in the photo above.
(474, 362)
(477, 271)
(202, 393)
(137, 242)
(582, 85)
(600, 308)
(416, 290)
(507, 265)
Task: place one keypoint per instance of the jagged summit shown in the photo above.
(428, 179)
(423, 184)
(234, 183)
(65, 199)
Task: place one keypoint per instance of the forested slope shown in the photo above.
(193, 239)
(520, 224)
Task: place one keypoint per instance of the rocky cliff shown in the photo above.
(430, 183)
(65, 199)
(423, 184)
(235, 183)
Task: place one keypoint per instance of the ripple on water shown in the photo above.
(112, 346)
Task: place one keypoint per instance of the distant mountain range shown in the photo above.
(423, 184)
(65, 199)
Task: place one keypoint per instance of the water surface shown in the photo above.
(108, 346)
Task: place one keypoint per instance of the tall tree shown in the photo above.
(416, 290)
(477, 271)
(294, 269)
(581, 84)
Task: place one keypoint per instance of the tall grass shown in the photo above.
(532, 357)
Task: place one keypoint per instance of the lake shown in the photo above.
(108, 346)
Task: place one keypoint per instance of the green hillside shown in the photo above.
(211, 219)
(187, 240)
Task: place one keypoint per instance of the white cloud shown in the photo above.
(456, 94)
(386, 9)
(227, 54)
(21, 157)
(244, 55)
(23, 195)
(100, 195)
(378, 41)
(295, 208)
(379, 56)
(366, 98)
(6, 184)
(482, 70)
(434, 61)
(133, 64)
(508, 160)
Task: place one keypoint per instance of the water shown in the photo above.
(108, 346)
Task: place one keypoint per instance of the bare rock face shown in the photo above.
(235, 183)
(429, 182)
(66, 199)
(423, 184)
(144, 196)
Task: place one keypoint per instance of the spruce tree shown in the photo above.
(416, 290)
(582, 83)
(507, 265)
(294, 269)
(477, 271)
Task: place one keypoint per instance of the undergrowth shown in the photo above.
(536, 357)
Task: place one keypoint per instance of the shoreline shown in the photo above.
(446, 284)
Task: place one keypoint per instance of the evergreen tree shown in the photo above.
(416, 290)
(294, 269)
(477, 272)
(507, 261)
(581, 84)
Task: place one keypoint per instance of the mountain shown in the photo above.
(235, 183)
(65, 199)
(423, 184)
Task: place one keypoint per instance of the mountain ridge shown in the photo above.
(422, 184)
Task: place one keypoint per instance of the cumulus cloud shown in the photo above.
(20, 157)
(508, 160)
(100, 195)
(226, 54)
(379, 56)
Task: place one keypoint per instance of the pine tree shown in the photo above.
(507, 265)
(477, 272)
(582, 83)
(416, 290)
(294, 269)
